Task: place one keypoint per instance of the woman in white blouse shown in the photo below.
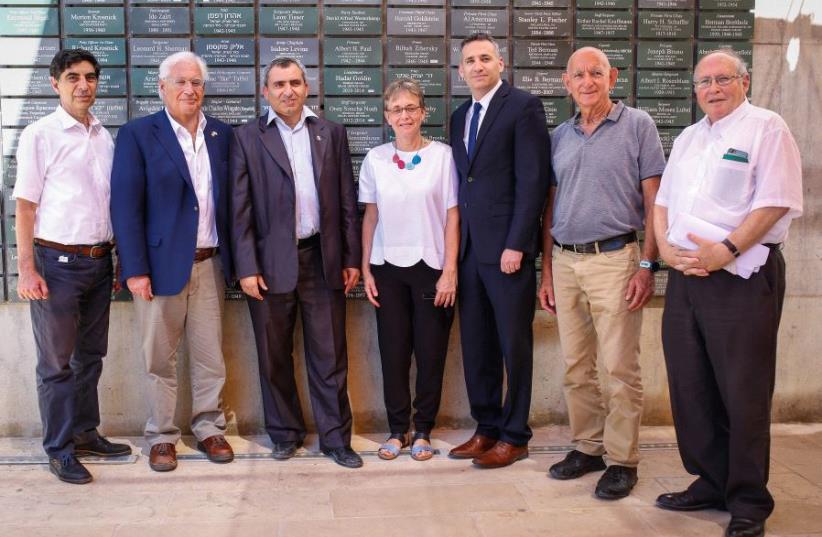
(410, 238)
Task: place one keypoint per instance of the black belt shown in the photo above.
(309, 242)
(607, 245)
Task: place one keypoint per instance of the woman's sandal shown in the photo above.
(388, 451)
(422, 452)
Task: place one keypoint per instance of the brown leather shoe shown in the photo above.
(474, 447)
(163, 457)
(502, 454)
(216, 448)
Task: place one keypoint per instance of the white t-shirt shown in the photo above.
(412, 204)
(707, 176)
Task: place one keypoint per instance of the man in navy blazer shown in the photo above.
(169, 210)
(502, 151)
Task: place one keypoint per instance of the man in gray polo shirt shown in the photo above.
(607, 163)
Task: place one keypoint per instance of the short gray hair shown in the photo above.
(283, 62)
(741, 64)
(179, 57)
(403, 84)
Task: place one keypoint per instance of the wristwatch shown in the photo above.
(653, 266)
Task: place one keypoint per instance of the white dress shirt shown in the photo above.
(698, 181)
(199, 168)
(412, 204)
(65, 168)
(485, 101)
(297, 143)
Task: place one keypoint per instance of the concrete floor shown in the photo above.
(310, 496)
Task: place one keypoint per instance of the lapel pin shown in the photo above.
(319, 138)
(213, 134)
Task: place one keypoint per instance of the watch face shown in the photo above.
(645, 264)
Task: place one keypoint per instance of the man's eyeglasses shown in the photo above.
(397, 111)
(721, 80)
(181, 83)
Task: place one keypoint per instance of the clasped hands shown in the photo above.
(709, 256)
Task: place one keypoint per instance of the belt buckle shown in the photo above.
(91, 251)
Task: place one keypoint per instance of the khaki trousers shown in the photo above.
(195, 312)
(594, 321)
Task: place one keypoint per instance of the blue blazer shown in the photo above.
(504, 187)
(154, 210)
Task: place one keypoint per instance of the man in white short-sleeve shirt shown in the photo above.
(64, 242)
(738, 169)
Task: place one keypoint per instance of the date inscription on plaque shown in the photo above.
(421, 22)
(665, 55)
(533, 53)
(542, 82)
(353, 20)
(111, 51)
(151, 51)
(468, 21)
(306, 50)
(353, 80)
(726, 25)
(609, 24)
(93, 20)
(431, 79)
(666, 24)
(158, 20)
(540, 23)
(664, 84)
(413, 51)
(224, 20)
(354, 111)
(667, 112)
(225, 51)
(339, 51)
(29, 21)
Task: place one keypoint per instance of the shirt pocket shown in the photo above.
(731, 185)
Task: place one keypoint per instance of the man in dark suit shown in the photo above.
(502, 150)
(296, 241)
(169, 209)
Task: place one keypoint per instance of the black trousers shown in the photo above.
(323, 317)
(719, 336)
(409, 323)
(496, 317)
(71, 337)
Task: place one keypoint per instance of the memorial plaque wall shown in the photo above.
(352, 49)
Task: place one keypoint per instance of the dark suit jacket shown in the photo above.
(503, 189)
(154, 210)
(263, 213)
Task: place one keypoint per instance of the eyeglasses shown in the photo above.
(721, 80)
(397, 111)
(181, 83)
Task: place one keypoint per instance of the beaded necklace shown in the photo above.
(415, 160)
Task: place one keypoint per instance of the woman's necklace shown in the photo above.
(415, 160)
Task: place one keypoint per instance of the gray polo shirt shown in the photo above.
(598, 177)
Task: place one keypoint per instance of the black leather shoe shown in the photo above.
(684, 501)
(344, 456)
(67, 468)
(285, 450)
(616, 482)
(576, 464)
(101, 447)
(745, 527)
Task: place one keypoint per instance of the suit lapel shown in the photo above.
(212, 141)
(168, 140)
(319, 142)
(494, 107)
(273, 143)
(458, 147)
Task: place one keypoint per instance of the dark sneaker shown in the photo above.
(616, 482)
(344, 456)
(101, 447)
(285, 450)
(576, 464)
(67, 468)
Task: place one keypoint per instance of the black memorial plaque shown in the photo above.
(157, 20)
(231, 81)
(352, 20)
(306, 50)
(542, 3)
(353, 80)
(224, 20)
(432, 132)
(143, 106)
(468, 21)
(351, 2)
(232, 110)
(26, 82)
(111, 111)
(666, 25)
(9, 171)
(667, 137)
(289, 2)
(658, 84)
(456, 53)
(478, 3)
(28, 51)
(605, 4)
(10, 229)
(93, 21)
(112, 82)
(20, 112)
(434, 111)
(341, 51)
(605, 24)
(743, 48)
(431, 79)
(726, 25)
(542, 82)
(11, 137)
(288, 20)
(417, 22)
(144, 80)
(624, 86)
(667, 112)
(542, 23)
(354, 110)
(37, 21)
(665, 55)
(10, 208)
(458, 85)
(537, 53)
(167, 2)
(416, 51)
(153, 50)
(556, 110)
(225, 51)
(107, 50)
(666, 4)
(727, 4)
(361, 139)
(409, 3)
(620, 53)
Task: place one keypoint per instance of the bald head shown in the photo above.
(589, 78)
(588, 53)
(725, 54)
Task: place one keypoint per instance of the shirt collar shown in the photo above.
(727, 122)
(486, 99)
(177, 127)
(613, 115)
(306, 113)
(67, 121)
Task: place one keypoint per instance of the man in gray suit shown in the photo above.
(296, 242)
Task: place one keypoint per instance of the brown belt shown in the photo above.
(94, 251)
(201, 254)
